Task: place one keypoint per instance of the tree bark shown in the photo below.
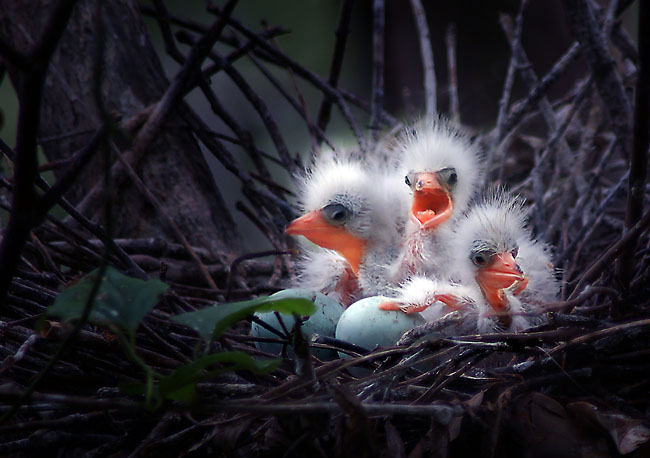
(132, 79)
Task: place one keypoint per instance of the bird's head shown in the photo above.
(488, 245)
(341, 210)
(442, 168)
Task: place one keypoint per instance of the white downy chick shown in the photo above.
(350, 211)
(328, 272)
(442, 168)
(505, 276)
(498, 253)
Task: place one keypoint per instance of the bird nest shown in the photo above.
(150, 385)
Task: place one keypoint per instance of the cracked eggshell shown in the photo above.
(366, 325)
(322, 322)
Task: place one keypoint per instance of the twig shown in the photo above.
(284, 60)
(584, 26)
(378, 45)
(170, 99)
(342, 31)
(29, 92)
(450, 41)
(426, 54)
(639, 162)
(515, 38)
(613, 252)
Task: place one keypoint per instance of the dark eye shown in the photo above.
(408, 179)
(448, 177)
(515, 252)
(480, 258)
(336, 214)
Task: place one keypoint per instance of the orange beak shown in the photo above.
(318, 230)
(432, 204)
(502, 273)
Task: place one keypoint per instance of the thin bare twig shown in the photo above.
(426, 54)
(450, 41)
(378, 49)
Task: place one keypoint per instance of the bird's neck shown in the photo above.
(353, 254)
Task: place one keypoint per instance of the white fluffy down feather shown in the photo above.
(377, 215)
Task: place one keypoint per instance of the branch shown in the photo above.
(342, 31)
(426, 53)
(169, 101)
(378, 50)
(450, 41)
(583, 24)
(639, 162)
(29, 92)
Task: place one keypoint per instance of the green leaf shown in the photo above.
(180, 385)
(121, 302)
(214, 321)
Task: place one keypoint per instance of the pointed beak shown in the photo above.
(502, 273)
(315, 228)
(432, 204)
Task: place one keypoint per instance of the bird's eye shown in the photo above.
(408, 179)
(448, 177)
(480, 258)
(336, 214)
(515, 252)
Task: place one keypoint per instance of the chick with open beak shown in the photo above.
(346, 212)
(503, 277)
(442, 169)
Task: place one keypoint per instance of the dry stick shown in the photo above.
(621, 328)
(342, 31)
(613, 252)
(283, 60)
(584, 26)
(256, 101)
(168, 102)
(378, 50)
(135, 179)
(227, 160)
(557, 136)
(300, 108)
(450, 41)
(94, 228)
(589, 190)
(79, 161)
(515, 38)
(538, 92)
(441, 413)
(24, 200)
(586, 230)
(639, 162)
(235, 264)
(245, 137)
(426, 53)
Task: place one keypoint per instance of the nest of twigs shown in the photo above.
(576, 386)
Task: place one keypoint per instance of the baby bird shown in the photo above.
(442, 169)
(505, 277)
(351, 211)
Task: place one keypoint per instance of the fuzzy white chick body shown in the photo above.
(442, 170)
(350, 211)
(504, 276)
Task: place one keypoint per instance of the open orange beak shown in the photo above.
(318, 230)
(502, 273)
(432, 204)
